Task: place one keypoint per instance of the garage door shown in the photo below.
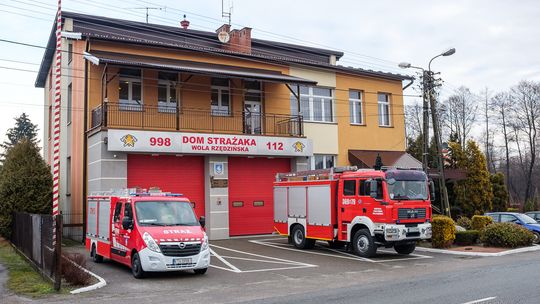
(251, 195)
(171, 174)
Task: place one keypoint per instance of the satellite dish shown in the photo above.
(224, 37)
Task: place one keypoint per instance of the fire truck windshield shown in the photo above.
(165, 213)
(407, 189)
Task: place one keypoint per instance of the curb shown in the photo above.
(101, 282)
(481, 254)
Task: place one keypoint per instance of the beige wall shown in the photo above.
(324, 136)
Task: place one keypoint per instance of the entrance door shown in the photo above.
(252, 117)
(251, 194)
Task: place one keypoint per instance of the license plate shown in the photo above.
(181, 261)
(414, 229)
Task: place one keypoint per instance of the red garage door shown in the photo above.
(251, 202)
(171, 174)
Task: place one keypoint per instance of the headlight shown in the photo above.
(392, 231)
(150, 243)
(204, 244)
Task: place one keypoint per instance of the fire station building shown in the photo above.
(211, 115)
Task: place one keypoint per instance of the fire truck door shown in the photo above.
(118, 249)
(348, 200)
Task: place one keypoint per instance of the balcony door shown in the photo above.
(253, 108)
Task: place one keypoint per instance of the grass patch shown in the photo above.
(23, 279)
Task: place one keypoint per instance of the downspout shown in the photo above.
(85, 144)
(408, 84)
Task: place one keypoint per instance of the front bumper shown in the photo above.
(154, 261)
(395, 233)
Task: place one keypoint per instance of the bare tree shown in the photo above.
(460, 113)
(413, 117)
(501, 105)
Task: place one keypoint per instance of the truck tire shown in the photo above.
(299, 238)
(405, 248)
(363, 244)
(136, 267)
(96, 258)
(200, 271)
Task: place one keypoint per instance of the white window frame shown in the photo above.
(130, 104)
(325, 158)
(168, 106)
(311, 111)
(221, 110)
(69, 113)
(382, 107)
(356, 104)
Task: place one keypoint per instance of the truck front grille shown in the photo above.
(175, 250)
(411, 213)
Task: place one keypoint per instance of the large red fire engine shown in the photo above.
(361, 208)
(153, 231)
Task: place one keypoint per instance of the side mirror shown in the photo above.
(202, 221)
(373, 188)
(431, 191)
(127, 223)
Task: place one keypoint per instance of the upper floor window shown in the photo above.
(220, 97)
(69, 102)
(70, 51)
(167, 93)
(355, 107)
(316, 104)
(130, 89)
(384, 109)
(321, 161)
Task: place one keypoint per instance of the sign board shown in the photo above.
(201, 143)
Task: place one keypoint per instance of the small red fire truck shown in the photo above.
(153, 231)
(363, 208)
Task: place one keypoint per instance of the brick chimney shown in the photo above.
(240, 40)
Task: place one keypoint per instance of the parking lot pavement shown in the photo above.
(244, 269)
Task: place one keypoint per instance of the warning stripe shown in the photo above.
(56, 111)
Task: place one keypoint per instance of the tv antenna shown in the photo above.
(147, 8)
(227, 14)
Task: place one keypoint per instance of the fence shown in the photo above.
(33, 236)
(72, 224)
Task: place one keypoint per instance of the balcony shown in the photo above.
(149, 117)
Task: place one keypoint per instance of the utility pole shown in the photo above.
(425, 121)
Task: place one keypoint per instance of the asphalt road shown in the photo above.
(268, 270)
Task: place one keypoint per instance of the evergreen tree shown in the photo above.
(25, 184)
(378, 162)
(23, 129)
(474, 194)
(415, 146)
(500, 193)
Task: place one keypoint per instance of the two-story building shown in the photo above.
(211, 115)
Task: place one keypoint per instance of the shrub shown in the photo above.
(512, 209)
(479, 222)
(73, 274)
(464, 222)
(467, 238)
(443, 232)
(506, 235)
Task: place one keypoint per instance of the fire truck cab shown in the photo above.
(363, 209)
(154, 231)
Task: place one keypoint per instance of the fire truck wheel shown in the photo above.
(363, 244)
(299, 238)
(200, 271)
(136, 267)
(95, 257)
(405, 248)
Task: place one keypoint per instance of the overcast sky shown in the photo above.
(497, 42)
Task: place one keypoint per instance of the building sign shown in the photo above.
(199, 143)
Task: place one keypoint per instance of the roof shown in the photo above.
(399, 159)
(198, 68)
(119, 30)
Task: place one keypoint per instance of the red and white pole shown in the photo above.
(56, 121)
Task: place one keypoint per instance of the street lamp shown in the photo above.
(428, 96)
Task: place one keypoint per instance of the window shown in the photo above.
(220, 97)
(319, 161)
(508, 218)
(362, 188)
(349, 187)
(69, 102)
(316, 104)
(117, 209)
(130, 90)
(167, 96)
(68, 176)
(355, 107)
(384, 109)
(127, 211)
(70, 51)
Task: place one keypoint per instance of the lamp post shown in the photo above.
(428, 96)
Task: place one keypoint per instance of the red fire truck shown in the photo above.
(153, 231)
(363, 209)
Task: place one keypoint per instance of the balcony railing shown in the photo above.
(119, 115)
